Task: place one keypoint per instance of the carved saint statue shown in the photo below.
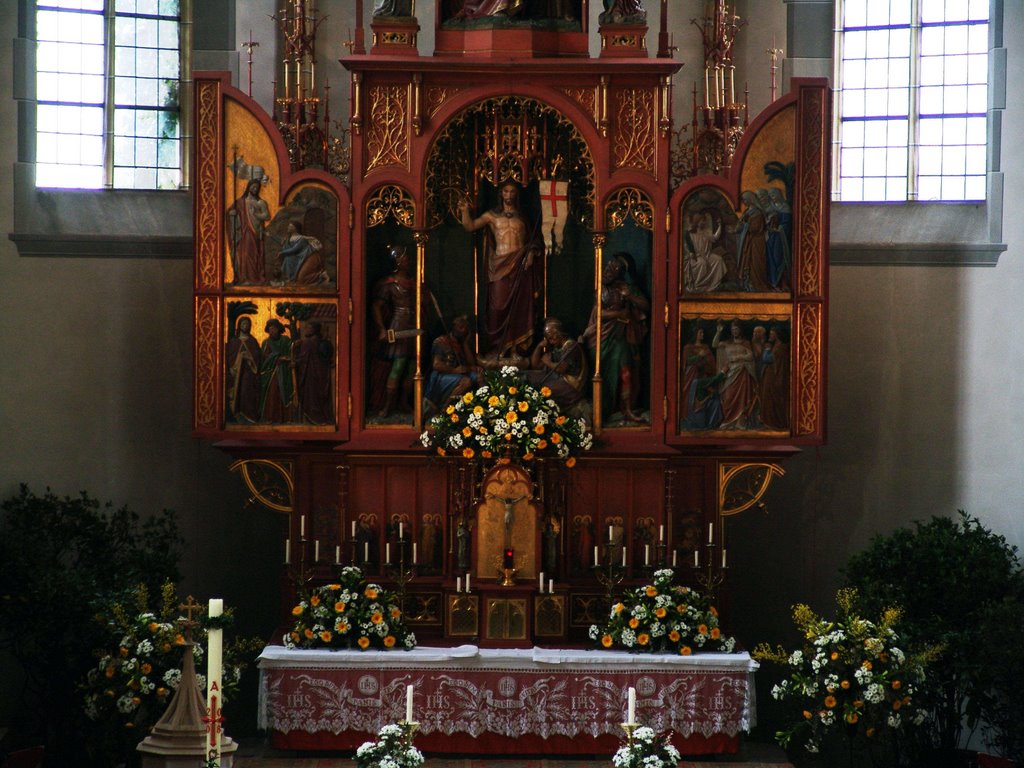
(623, 12)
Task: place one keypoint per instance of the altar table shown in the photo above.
(516, 701)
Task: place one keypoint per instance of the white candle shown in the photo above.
(337, 554)
(696, 558)
(387, 553)
(316, 551)
(467, 583)
(551, 586)
(661, 533)
(674, 553)
(631, 709)
(408, 703)
(458, 583)
(595, 555)
(723, 557)
(366, 551)
(214, 656)
(711, 533)
(623, 557)
(414, 560)
(647, 554)
(302, 526)
(610, 538)
(287, 551)
(353, 529)
(541, 587)
(401, 529)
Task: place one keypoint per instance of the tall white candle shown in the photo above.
(366, 551)
(337, 554)
(353, 529)
(541, 588)
(458, 583)
(661, 533)
(623, 557)
(551, 586)
(414, 560)
(401, 529)
(674, 553)
(467, 582)
(647, 554)
(696, 558)
(723, 557)
(711, 533)
(214, 656)
(387, 553)
(631, 708)
(408, 703)
(316, 551)
(287, 551)
(302, 526)
(595, 555)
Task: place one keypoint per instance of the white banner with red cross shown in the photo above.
(554, 205)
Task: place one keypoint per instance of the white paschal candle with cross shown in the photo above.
(214, 665)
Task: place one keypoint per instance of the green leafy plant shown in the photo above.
(349, 613)
(392, 749)
(663, 617)
(646, 749)
(138, 669)
(506, 417)
(62, 559)
(949, 576)
(851, 684)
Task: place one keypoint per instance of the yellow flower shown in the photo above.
(450, 410)
(830, 701)
(685, 650)
(607, 641)
(523, 406)
(643, 638)
(619, 607)
(389, 641)
(467, 398)
(545, 392)
(364, 642)
(492, 400)
(325, 636)
(570, 462)
(478, 410)
(511, 417)
(467, 453)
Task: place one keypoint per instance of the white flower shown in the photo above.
(594, 631)
(125, 704)
(628, 638)
(894, 720)
(173, 678)
(144, 648)
(644, 733)
(874, 693)
(425, 439)
(795, 658)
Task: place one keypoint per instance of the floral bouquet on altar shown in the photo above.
(392, 749)
(663, 617)
(506, 417)
(849, 679)
(349, 613)
(646, 749)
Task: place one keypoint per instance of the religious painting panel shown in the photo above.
(506, 526)
(624, 360)
(279, 364)
(392, 308)
(734, 371)
(555, 15)
(301, 242)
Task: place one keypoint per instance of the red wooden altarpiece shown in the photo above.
(353, 469)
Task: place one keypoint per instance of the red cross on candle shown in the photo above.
(214, 719)
(553, 197)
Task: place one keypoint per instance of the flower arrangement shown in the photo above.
(663, 617)
(391, 750)
(132, 683)
(646, 749)
(850, 677)
(349, 613)
(506, 417)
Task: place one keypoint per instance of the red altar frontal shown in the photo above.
(515, 701)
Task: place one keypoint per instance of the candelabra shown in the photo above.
(716, 126)
(608, 572)
(400, 572)
(710, 570)
(298, 573)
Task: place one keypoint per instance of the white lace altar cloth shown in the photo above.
(508, 692)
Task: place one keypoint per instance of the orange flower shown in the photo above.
(681, 608)
(607, 641)
(486, 454)
(455, 418)
(467, 453)
(852, 717)
(179, 639)
(123, 652)
(528, 456)
(702, 629)
(897, 704)
(570, 462)
(545, 392)
(395, 612)
(556, 438)
(845, 685)
(807, 715)
(146, 667)
(297, 610)
(341, 627)
(715, 633)
(713, 611)
(542, 444)
(334, 587)
(869, 732)
(560, 420)
(651, 591)
(364, 642)
(377, 617)
(511, 417)
(634, 623)
(858, 703)
(674, 635)
(389, 641)
(835, 655)
(109, 671)
(508, 437)
(308, 633)
(643, 638)
(161, 692)
(441, 451)
(467, 432)
(866, 664)
(830, 701)
(896, 685)
(339, 607)
(492, 400)
(295, 636)
(325, 636)
(371, 593)
(523, 406)
(619, 607)
(685, 650)
(165, 647)
(660, 612)
(539, 429)
(314, 600)
(153, 626)
(512, 390)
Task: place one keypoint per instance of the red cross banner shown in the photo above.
(554, 204)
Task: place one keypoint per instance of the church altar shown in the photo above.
(504, 700)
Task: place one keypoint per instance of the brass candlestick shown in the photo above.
(409, 729)
(401, 573)
(608, 574)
